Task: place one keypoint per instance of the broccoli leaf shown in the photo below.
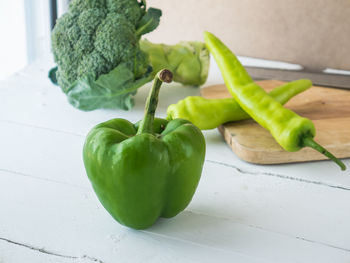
(149, 21)
(52, 75)
(112, 90)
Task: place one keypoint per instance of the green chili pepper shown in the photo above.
(145, 170)
(208, 114)
(290, 130)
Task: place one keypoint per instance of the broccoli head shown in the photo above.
(99, 60)
(95, 36)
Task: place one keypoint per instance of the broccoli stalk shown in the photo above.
(189, 61)
(101, 61)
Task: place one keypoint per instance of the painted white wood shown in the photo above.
(69, 221)
(240, 212)
(44, 105)
(17, 253)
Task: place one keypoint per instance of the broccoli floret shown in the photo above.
(115, 38)
(89, 19)
(131, 10)
(78, 6)
(94, 64)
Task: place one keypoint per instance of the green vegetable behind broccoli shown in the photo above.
(100, 63)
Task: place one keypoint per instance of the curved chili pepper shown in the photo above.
(290, 130)
(208, 114)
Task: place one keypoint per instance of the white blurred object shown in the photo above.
(37, 29)
(25, 30)
(62, 7)
(13, 41)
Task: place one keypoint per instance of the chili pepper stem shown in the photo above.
(146, 125)
(309, 142)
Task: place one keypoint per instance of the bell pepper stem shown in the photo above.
(146, 125)
(309, 142)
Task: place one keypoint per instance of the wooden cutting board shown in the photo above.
(328, 108)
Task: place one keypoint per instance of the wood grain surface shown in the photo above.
(240, 213)
(328, 108)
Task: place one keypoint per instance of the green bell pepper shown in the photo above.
(147, 170)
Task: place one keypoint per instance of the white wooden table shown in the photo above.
(240, 213)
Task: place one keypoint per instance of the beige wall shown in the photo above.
(314, 33)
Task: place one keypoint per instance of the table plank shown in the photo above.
(70, 221)
(56, 157)
(241, 212)
(35, 102)
(15, 252)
